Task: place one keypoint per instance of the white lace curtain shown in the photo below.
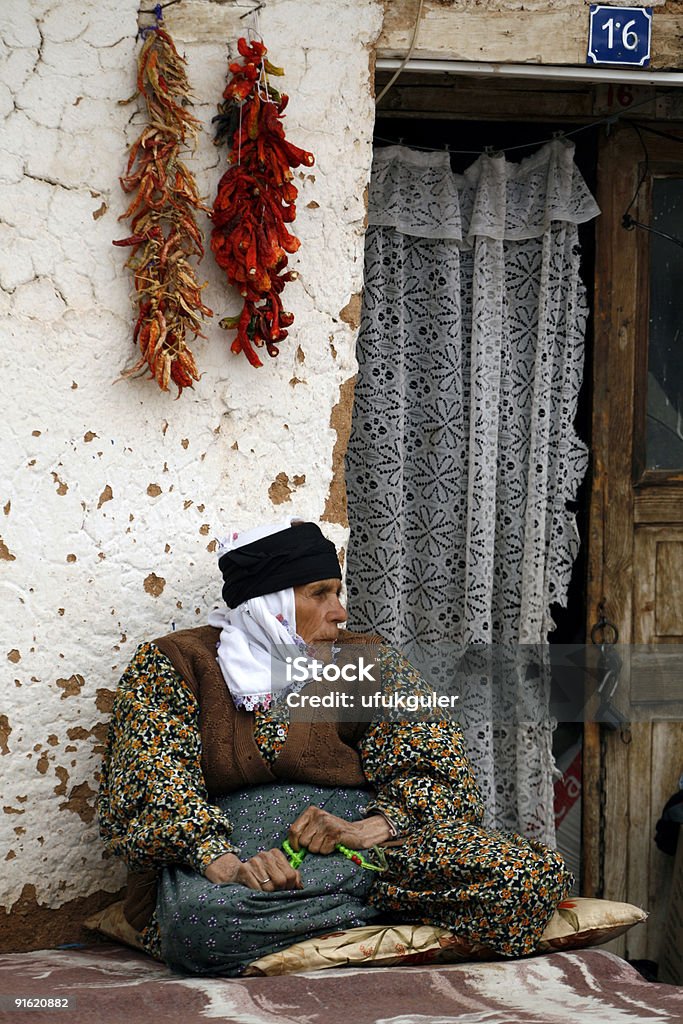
(463, 454)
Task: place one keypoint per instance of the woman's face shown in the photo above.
(319, 610)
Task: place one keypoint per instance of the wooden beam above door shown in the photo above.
(467, 98)
(550, 33)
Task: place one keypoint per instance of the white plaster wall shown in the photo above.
(112, 493)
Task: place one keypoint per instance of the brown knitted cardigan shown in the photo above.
(323, 753)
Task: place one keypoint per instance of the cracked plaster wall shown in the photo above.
(113, 494)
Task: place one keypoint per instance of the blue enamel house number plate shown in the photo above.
(619, 35)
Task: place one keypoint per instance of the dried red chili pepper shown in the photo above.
(254, 201)
(165, 234)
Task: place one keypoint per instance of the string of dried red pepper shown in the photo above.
(254, 202)
(165, 235)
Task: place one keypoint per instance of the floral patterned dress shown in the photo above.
(497, 889)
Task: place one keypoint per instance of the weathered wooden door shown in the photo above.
(636, 522)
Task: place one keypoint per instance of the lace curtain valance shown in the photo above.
(418, 194)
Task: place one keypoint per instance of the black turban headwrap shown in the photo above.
(288, 558)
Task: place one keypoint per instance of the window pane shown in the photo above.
(664, 438)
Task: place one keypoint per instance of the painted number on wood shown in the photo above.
(619, 35)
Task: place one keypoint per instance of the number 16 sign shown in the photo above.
(619, 35)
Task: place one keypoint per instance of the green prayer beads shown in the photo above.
(295, 857)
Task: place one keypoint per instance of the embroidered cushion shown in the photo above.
(576, 924)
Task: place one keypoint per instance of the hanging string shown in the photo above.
(158, 9)
(609, 120)
(254, 33)
(627, 221)
(403, 63)
(159, 16)
(262, 84)
(255, 10)
(663, 135)
(493, 150)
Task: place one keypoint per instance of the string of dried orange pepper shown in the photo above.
(165, 235)
(255, 202)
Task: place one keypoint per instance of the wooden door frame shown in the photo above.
(630, 509)
(614, 310)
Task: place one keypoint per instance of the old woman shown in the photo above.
(246, 826)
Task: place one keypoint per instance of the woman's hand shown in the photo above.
(267, 871)
(318, 831)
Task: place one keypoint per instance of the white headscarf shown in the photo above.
(257, 635)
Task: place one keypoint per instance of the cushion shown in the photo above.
(577, 923)
(372, 946)
(112, 923)
(581, 922)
